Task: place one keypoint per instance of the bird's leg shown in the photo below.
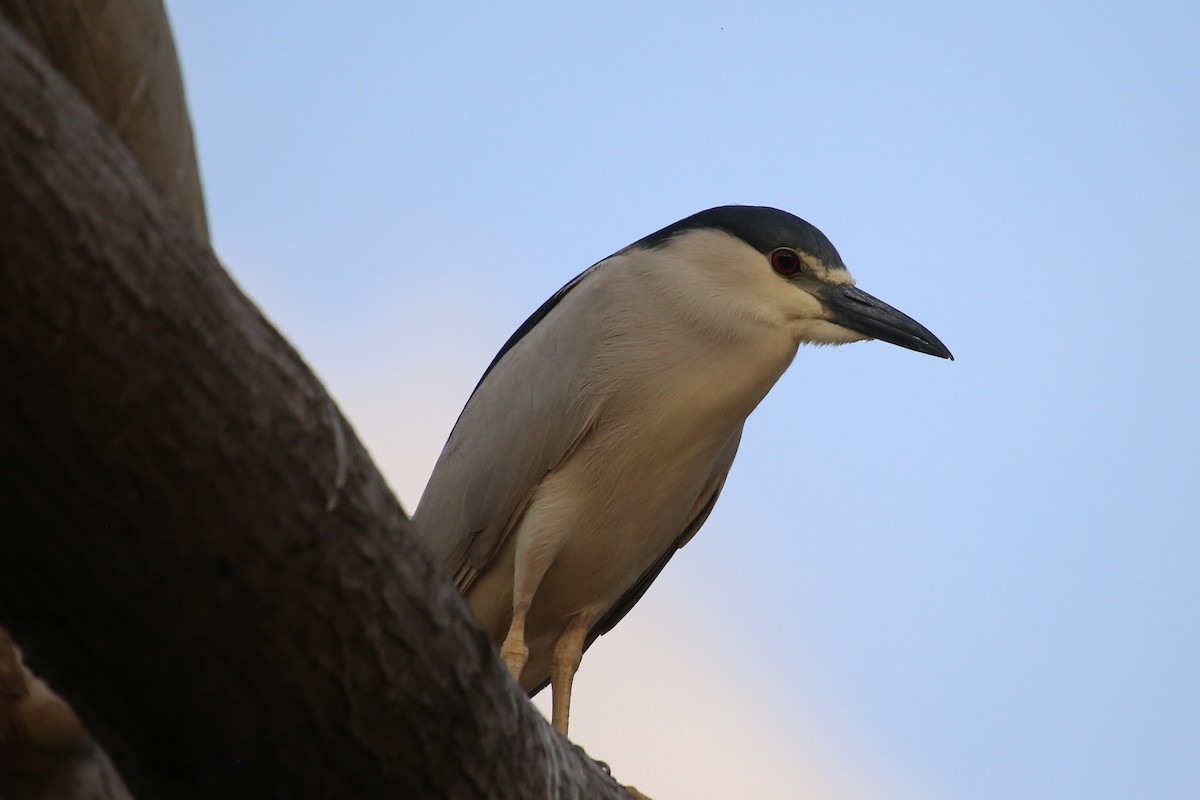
(533, 557)
(568, 652)
(514, 651)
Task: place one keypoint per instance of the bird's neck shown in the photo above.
(672, 344)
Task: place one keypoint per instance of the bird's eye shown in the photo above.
(786, 261)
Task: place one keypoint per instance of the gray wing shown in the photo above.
(524, 418)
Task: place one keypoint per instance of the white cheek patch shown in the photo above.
(804, 307)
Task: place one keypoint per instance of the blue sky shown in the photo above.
(924, 579)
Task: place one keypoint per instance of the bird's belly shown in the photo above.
(604, 555)
(597, 523)
(617, 516)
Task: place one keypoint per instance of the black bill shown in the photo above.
(853, 308)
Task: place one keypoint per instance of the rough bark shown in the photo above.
(196, 550)
(120, 56)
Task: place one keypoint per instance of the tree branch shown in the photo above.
(120, 56)
(198, 552)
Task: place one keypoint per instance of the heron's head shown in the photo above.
(778, 268)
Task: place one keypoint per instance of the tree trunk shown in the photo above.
(196, 550)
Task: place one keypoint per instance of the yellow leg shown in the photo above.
(568, 652)
(532, 558)
(514, 650)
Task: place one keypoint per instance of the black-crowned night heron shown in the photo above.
(598, 439)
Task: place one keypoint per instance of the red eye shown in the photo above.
(786, 261)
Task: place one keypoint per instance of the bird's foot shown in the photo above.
(601, 764)
(631, 790)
